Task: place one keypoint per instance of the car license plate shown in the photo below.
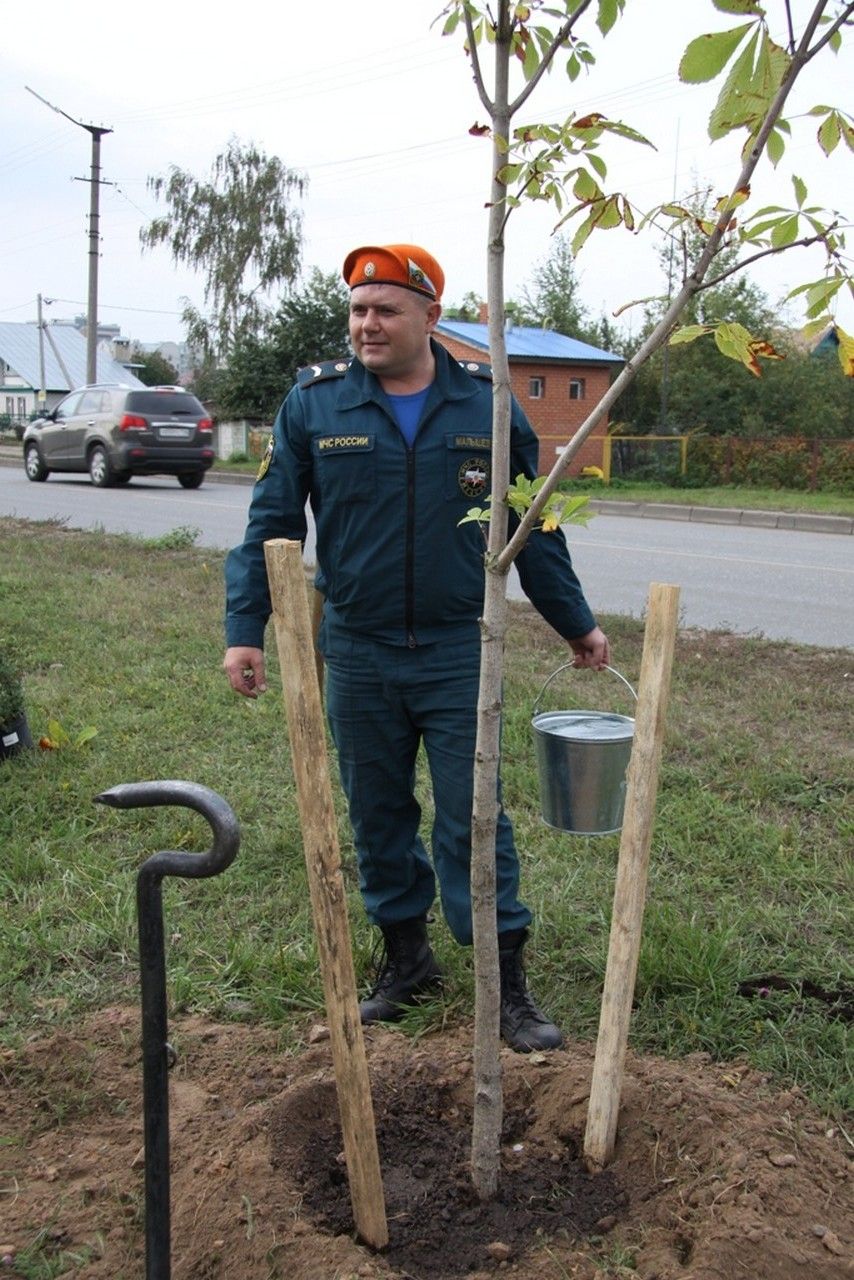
(173, 433)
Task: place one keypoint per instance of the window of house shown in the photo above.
(576, 388)
(10, 405)
(22, 406)
(536, 388)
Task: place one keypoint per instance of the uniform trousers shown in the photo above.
(383, 701)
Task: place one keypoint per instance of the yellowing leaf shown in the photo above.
(846, 352)
(707, 56)
(550, 522)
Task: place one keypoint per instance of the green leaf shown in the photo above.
(775, 147)
(531, 60)
(739, 6)
(609, 11)
(819, 295)
(509, 173)
(609, 215)
(729, 111)
(585, 187)
(756, 229)
(582, 234)
(829, 133)
(688, 333)
(626, 131)
(785, 232)
(596, 162)
(452, 22)
(800, 190)
(573, 68)
(707, 56)
(676, 211)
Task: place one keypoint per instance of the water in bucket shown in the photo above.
(582, 758)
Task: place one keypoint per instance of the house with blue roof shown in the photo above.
(556, 379)
(53, 359)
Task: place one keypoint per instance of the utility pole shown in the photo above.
(97, 132)
(42, 388)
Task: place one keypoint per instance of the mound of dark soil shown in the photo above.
(715, 1176)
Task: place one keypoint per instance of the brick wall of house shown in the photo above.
(554, 416)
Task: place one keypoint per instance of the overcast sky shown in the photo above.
(373, 105)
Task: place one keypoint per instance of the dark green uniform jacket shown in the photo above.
(393, 562)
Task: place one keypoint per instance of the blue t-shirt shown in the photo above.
(408, 410)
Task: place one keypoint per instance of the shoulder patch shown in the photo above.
(313, 373)
(477, 370)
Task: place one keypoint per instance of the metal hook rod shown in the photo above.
(157, 1053)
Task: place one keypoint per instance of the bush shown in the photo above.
(784, 462)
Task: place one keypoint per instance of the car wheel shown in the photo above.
(191, 479)
(33, 465)
(100, 470)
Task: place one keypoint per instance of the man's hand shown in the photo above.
(244, 667)
(592, 650)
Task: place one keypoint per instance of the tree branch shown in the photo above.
(791, 26)
(765, 253)
(475, 65)
(661, 332)
(548, 57)
(831, 31)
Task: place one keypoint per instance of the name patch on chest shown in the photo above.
(472, 442)
(343, 444)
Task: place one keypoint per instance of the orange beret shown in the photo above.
(407, 265)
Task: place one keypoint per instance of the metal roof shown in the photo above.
(19, 348)
(530, 344)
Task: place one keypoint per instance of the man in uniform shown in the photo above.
(392, 448)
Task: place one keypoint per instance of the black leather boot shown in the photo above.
(523, 1025)
(408, 970)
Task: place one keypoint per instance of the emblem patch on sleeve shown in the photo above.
(265, 461)
(472, 477)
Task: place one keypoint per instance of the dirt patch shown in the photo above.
(716, 1177)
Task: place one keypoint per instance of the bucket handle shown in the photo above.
(613, 670)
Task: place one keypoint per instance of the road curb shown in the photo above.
(807, 522)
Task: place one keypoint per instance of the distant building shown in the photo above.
(556, 379)
(178, 353)
(62, 348)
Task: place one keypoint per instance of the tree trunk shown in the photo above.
(488, 1100)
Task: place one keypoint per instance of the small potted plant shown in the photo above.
(14, 730)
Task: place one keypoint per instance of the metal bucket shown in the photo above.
(582, 758)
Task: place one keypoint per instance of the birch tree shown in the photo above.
(241, 227)
(562, 163)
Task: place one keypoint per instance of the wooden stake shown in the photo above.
(632, 867)
(316, 619)
(326, 885)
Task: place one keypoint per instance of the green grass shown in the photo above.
(745, 497)
(750, 870)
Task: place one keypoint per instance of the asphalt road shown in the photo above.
(781, 583)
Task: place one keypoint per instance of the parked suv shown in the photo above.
(115, 432)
